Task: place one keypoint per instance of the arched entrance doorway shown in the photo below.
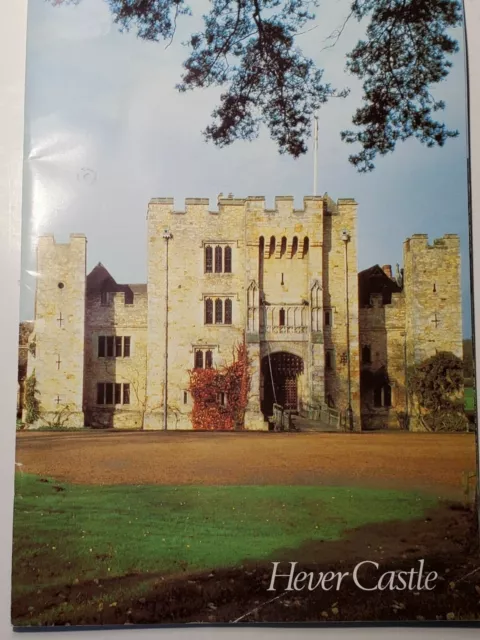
(280, 373)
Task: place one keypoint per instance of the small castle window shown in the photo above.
(128, 296)
(228, 259)
(111, 393)
(434, 287)
(218, 259)
(208, 311)
(110, 343)
(114, 346)
(104, 298)
(294, 246)
(221, 313)
(208, 359)
(328, 318)
(208, 259)
(366, 354)
(281, 318)
(306, 244)
(382, 396)
(222, 398)
(60, 285)
(387, 396)
(283, 247)
(218, 311)
(261, 246)
(271, 249)
(185, 397)
(228, 311)
(198, 359)
(328, 360)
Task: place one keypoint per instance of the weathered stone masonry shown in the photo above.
(280, 277)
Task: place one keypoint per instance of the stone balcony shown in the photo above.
(285, 322)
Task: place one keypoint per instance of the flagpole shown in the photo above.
(315, 153)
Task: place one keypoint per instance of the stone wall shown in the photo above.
(188, 287)
(116, 319)
(284, 258)
(382, 330)
(422, 320)
(293, 277)
(433, 303)
(341, 217)
(279, 266)
(59, 331)
(432, 296)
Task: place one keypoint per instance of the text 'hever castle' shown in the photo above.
(317, 332)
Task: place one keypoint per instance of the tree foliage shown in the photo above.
(250, 48)
(32, 402)
(436, 381)
(24, 344)
(406, 52)
(435, 384)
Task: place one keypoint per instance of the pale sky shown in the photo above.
(106, 131)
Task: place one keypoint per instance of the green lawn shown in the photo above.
(469, 396)
(68, 533)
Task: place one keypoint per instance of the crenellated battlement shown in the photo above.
(398, 299)
(49, 240)
(420, 242)
(284, 206)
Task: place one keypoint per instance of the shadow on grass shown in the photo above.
(442, 536)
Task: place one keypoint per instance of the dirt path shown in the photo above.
(405, 460)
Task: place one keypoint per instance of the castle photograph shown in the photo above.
(246, 388)
(319, 335)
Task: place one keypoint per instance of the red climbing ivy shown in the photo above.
(206, 387)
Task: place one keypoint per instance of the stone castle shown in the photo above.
(318, 333)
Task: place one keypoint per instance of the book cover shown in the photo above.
(246, 385)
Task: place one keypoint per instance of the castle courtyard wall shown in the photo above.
(116, 318)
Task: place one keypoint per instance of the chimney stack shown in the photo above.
(387, 270)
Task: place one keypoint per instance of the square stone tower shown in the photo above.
(59, 331)
(433, 297)
(183, 281)
(433, 301)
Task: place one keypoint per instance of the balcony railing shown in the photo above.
(284, 319)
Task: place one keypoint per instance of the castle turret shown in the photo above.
(433, 302)
(57, 357)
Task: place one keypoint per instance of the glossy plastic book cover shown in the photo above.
(246, 386)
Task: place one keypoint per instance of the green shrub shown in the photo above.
(32, 403)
